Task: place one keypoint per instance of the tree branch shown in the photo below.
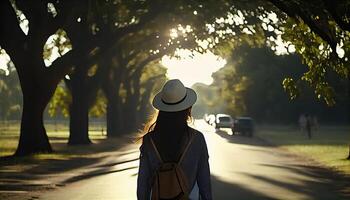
(139, 67)
(61, 66)
(151, 14)
(331, 7)
(294, 11)
(12, 38)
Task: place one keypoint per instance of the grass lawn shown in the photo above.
(329, 145)
(58, 136)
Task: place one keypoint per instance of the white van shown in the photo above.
(223, 121)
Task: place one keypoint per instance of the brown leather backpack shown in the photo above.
(170, 182)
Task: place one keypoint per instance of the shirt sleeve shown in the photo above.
(203, 174)
(144, 176)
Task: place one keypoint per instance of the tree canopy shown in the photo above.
(109, 47)
(250, 84)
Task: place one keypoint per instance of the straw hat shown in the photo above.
(174, 96)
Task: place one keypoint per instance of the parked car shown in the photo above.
(243, 125)
(223, 121)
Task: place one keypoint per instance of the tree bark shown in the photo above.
(348, 116)
(83, 89)
(136, 100)
(111, 88)
(79, 115)
(131, 104)
(144, 104)
(37, 91)
(33, 137)
(114, 119)
(79, 108)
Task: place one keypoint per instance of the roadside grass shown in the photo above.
(58, 136)
(329, 145)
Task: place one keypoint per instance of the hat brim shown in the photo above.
(191, 98)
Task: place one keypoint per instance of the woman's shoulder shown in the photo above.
(199, 142)
(148, 134)
(197, 134)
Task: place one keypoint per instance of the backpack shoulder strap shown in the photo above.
(192, 135)
(156, 150)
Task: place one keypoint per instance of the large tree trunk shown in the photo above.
(37, 91)
(131, 104)
(79, 108)
(144, 104)
(114, 119)
(84, 89)
(33, 137)
(136, 100)
(349, 153)
(79, 118)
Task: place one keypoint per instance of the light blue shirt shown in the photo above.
(194, 164)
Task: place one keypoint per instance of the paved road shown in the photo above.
(242, 168)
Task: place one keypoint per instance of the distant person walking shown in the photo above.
(173, 156)
(308, 126)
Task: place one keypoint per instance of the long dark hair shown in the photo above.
(167, 122)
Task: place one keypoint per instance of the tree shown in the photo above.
(250, 84)
(320, 31)
(209, 100)
(317, 30)
(313, 29)
(38, 82)
(152, 80)
(85, 82)
(123, 89)
(148, 44)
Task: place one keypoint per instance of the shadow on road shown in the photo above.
(335, 182)
(239, 139)
(103, 169)
(31, 173)
(117, 163)
(95, 174)
(320, 188)
(225, 190)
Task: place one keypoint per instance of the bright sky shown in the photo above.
(4, 59)
(192, 69)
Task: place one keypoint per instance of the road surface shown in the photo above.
(241, 168)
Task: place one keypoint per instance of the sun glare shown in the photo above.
(191, 69)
